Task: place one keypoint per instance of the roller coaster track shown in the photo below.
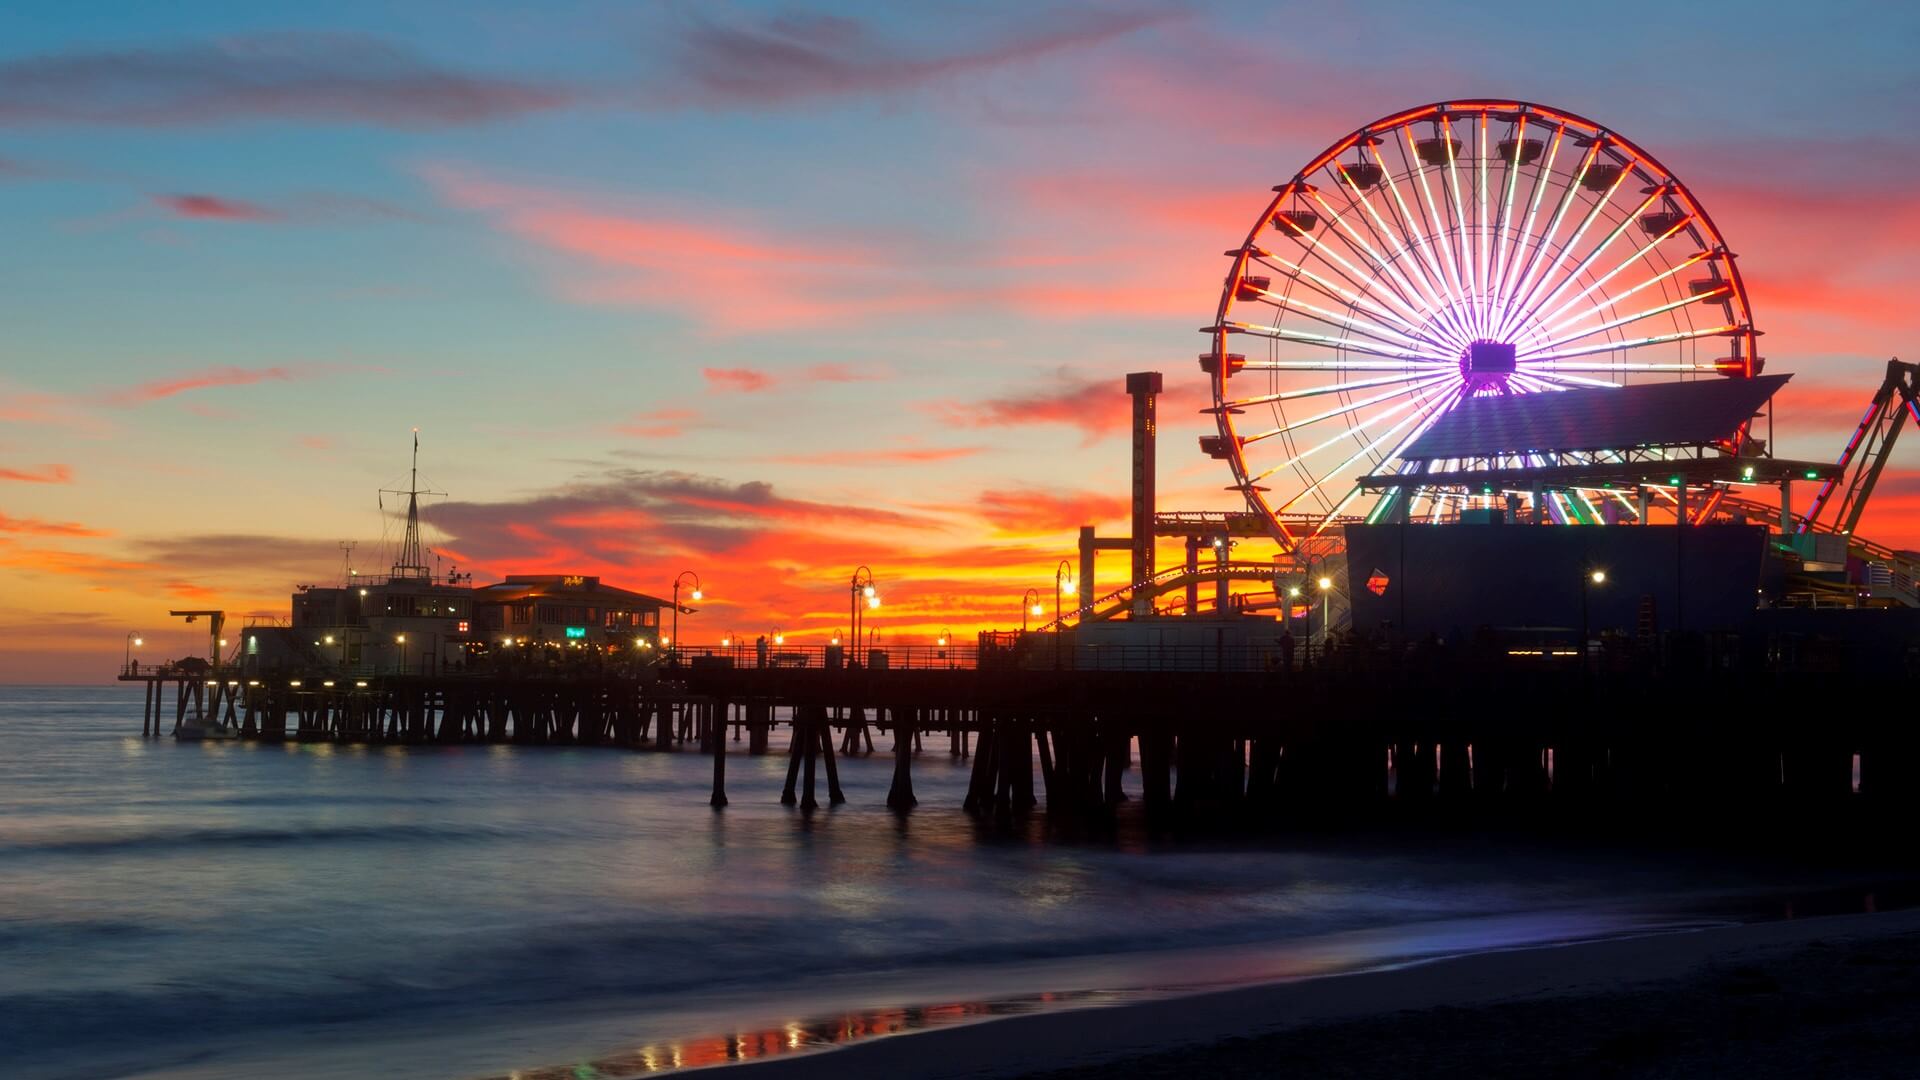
(1102, 608)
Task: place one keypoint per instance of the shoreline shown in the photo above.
(1147, 1037)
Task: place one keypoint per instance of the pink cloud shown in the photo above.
(741, 380)
(214, 208)
(156, 389)
(657, 424)
(36, 527)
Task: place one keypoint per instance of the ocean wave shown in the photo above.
(199, 839)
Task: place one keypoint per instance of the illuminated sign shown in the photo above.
(576, 631)
(573, 580)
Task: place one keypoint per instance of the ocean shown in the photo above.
(243, 909)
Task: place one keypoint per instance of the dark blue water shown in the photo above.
(235, 909)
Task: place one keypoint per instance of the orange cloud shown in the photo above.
(44, 474)
(884, 455)
(36, 527)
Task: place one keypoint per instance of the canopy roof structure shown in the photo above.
(1696, 413)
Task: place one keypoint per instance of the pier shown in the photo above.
(1220, 739)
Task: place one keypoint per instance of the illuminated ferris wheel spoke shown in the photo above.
(1549, 320)
(1333, 291)
(1329, 414)
(1347, 365)
(1318, 391)
(1497, 263)
(1574, 275)
(1296, 459)
(1424, 250)
(1342, 344)
(1480, 229)
(1559, 258)
(1345, 465)
(1541, 182)
(1714, 294)
(1353, 274)
(1436, 226)
(1529, 274)
(1375, 331)
(1469, 273)
(1402, 243)
(1632, 343)
(1359, 246)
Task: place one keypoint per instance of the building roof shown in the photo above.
(1653, 414)
(581, 587)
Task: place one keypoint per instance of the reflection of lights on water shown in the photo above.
(795, 1033)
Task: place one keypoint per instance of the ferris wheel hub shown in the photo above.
(1488, 363)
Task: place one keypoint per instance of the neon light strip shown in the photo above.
(1613, 300)
(1375, 331)
(1470, 271)
(1342, 467)
(1334, 291)
(1712, 294)
(1428, 295)
(1629, 261)
(1259, 330)
(1304, 454)
(1353, 271)
(1434, 223)
(1381, 264)
(1506, 211)
(1528, 277)
(1573, 242)
(1480, 224)
(1334, 388)
(1611, 346)
(1419, 367)
(1574, 275)
(1429, 259)
(1539, 192)
(1361, 404)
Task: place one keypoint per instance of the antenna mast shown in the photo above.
(412, 564)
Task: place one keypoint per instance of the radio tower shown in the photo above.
(412, 564)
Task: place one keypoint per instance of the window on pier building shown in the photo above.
(650, 618)
(522, 614)
(576, 615)
(549, 614)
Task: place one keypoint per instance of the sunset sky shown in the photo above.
(771, 291)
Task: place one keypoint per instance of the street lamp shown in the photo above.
(778, 637)
(133, 639)
(401, 639)
(1063, 585)
(861, 596)
(1593, 576)
(684, 575)
(1029, 605)
(1326, 611)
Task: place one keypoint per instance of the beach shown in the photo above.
(1800, 997)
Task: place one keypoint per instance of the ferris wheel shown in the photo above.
(1453, 251)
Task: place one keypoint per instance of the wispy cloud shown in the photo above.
(317, 78)
(214, 208)
(39, 474)
(172, 386)
(37, 527)
(790, 58)
(740, 380)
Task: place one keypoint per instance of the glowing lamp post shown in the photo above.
(133, 640)
(401, 640)
(1593, 578)
(1029, 605)
(861, 597)
(685, 576)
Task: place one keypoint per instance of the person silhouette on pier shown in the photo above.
(1286, 649)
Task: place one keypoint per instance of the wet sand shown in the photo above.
(1805, 997)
